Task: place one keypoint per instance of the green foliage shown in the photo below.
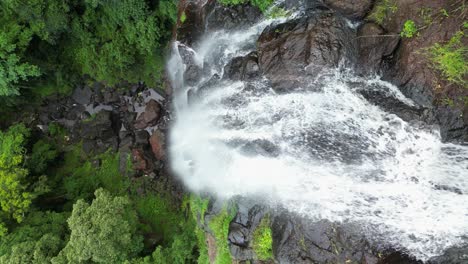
(220, 227)
(112, 39)
(382, 9)
(451, 59)
(409, 29)
(159, 216)
(198, 207)
(103, 232)
(263, 240)
(277, 12)
(183, 17)
(82, 176)
(263, 5)
(40, 237)
(14, 197)
(46, 45)
(42, 154)
(14, 39)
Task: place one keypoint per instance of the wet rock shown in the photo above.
(231, 17)
(456, 255)
(298, 240)
(195, 94)
(260, 147)
(189, 30)
(410, 69)
(157, 142)
(243, 68)
(352, 9)
(297, 50)
(374, 47)
(194, 70)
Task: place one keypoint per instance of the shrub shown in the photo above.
(263, 5)
(451, 59)
(382, 9)
(263, 240)
(409, 29)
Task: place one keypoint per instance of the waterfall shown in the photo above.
(323, 151)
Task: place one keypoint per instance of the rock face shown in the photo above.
(352, 9)
(374, 47)
(409, 67)
(291, 52)
(230, 17)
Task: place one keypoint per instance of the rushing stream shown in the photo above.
(322, 151)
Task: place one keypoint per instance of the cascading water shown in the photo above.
(324, 152)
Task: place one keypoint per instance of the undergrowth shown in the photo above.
(263, 240)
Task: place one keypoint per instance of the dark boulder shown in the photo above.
(299, 240)
(82, 95)
(194, 71)
(230, 17)
(243, 68)
(352, 9)
(293, 52)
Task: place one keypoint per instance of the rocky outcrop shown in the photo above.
(297, 50)
(409, 67)
(352, 9)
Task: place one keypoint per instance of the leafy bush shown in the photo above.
(42, 154)
(263, 240)
(15, 199)
(40, 237)
(451, 59)
(409, 29)
(382, 9)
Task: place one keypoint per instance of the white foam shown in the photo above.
(338, 156)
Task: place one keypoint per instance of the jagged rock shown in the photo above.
(150, 116)
(297, 50)
(353, 9)
(194, 70)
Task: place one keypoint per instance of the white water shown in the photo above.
(322, 151)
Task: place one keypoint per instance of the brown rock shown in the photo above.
(150, 117)
(297, 50)
(157, 142)
(353, 9)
